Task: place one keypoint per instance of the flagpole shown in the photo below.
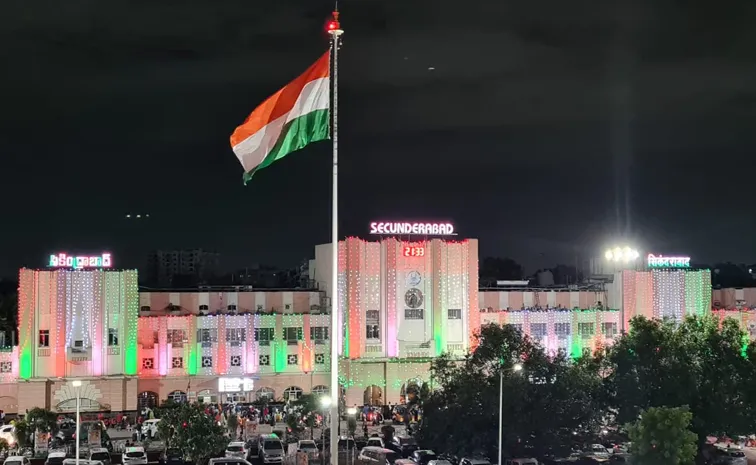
(334, 28)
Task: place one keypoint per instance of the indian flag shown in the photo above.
(290, 119)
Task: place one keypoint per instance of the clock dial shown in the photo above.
(413, 279)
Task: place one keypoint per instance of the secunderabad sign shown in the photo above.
(660, 261)
(423, 229)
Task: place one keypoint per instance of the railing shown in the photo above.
(43, 352)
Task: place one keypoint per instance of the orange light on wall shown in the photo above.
(306, 349)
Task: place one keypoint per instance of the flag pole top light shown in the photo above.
(334, 27)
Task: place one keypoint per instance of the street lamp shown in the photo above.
(77, 384)
(621, 254)
(515, 368)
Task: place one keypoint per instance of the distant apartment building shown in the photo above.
(178, 268)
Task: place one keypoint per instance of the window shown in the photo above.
(454, 314)
(6, 367)
(292, 359)
(292, 393)
(372, 332)
(177, 362)
(609, 329)
(293, 335)
(320, 359)
(236, 334)
(562, 329)
(207, 335)
(231, 308)
(585, 329)
(176, 337)
(517, 326)
(319, 334)
(112, 337)
(207, 361)
(148, 363)
(372, 315)
(204, 308)
(44, 338)
(264, 360)
(264, 335)
(236, 360)
(287, 307)
(538, 330)
(145, 308)
(413, 313)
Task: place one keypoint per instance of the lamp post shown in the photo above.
(77, 384)
(516, 367)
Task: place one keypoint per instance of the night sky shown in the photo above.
(543, 127)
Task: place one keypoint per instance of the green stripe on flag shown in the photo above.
(295, 135)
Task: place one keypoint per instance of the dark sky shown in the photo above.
(541, 121)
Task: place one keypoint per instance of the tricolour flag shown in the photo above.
(287, 121)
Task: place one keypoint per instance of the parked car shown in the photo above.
(377, 456)
(134, 456)
(237, 449)
(8, 432)
(55, 458)
(423, 456)
(375, 442)
(100, 454)
(228, 461)
(405, 445)
(270, 449)
(17, 460)
(309, 447)
(172, 456)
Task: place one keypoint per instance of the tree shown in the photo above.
(708, 367)
(23, 433)
(662, 437)
(189, 428)
(545, 403)
(42, 420)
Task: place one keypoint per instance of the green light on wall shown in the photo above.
(130, 299)
(280, 356)
(25, 363)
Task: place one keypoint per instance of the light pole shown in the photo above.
(77, 384)
(516, 367)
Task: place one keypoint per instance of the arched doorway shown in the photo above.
(177, 396)
(373, 395)
(292, 393)
(147, 399)
(265, 394)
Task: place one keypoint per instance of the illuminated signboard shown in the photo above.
(660, 261)
(414, 251)
(424, 229)
(62, 260)
(235, 384)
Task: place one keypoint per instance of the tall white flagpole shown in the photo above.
(334, 28)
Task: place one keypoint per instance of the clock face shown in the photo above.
(413, 278)
(413, 298)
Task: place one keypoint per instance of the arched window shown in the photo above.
(147, 399)
(292, 393)
(321, 390)
(177, 396)
(265, 393)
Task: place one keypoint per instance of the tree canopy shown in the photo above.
(699, 363)
(545, 403)
(661, 437)
(187, 427)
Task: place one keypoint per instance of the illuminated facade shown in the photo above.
(401, 304)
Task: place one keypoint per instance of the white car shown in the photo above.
(134, 456)
(599, 451)
(8, 432)
(17, 460)
(237, 450)
(309, 447)
(376, 442)
(150, 428)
